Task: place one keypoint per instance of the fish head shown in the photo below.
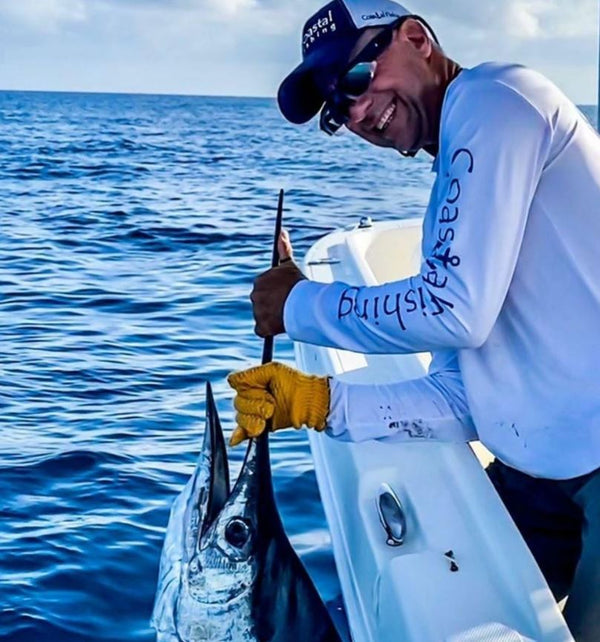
(228, 572)
(224, 565)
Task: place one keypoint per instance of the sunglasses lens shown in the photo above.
(357, 79)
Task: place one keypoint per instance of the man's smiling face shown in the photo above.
(396, 109)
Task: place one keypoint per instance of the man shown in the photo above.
(508, 295)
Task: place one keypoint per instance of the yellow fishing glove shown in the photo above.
(278, 392)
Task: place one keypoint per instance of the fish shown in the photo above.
(228, 572)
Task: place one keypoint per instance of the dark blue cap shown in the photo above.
(328, 38)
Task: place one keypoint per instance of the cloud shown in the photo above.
(247, 46)
(48, 15)
(517, 18)
(232, 7)
(522, 20)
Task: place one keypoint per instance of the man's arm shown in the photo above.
(493, 148)
(431, 407)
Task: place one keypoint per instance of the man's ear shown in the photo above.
(411, 31)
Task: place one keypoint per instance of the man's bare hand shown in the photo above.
(271, 289)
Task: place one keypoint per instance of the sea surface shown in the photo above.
(131, 228)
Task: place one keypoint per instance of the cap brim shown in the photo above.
(299, 97)
(301, 94)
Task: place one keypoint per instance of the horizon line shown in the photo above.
(129, 93)
(98, 92)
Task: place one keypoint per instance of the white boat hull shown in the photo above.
(413, 592)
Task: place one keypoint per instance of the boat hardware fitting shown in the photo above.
(391, 515)
(330, 260)
(449, 555)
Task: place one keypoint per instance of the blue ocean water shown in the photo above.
(131, 228)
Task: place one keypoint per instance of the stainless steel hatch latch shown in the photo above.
(391, 515)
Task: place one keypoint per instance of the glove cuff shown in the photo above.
(314, 400)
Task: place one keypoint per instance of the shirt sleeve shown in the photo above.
(493, 146)
(433, 407)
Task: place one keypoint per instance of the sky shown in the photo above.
(245, 47)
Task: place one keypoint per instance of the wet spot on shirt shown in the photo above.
(415, 429)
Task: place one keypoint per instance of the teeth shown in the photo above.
(386, 118)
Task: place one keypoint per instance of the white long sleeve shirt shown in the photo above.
(509, 288)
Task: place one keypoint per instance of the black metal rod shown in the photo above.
(267, 354)
(262, 442)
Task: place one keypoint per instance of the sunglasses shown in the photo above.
(354, 83)
(356, 78)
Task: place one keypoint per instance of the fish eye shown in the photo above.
(237, 532)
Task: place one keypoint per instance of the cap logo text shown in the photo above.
(378, 15)
(319, 28)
